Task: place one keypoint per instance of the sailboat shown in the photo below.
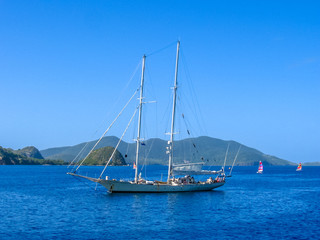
(260, 169)
(299, 168)
(196, 168)
(140, 185)
(192, 169)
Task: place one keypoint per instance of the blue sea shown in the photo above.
(42, 202)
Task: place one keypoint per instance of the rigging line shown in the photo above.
(192, 137)
(120, 95)
(152, 87)
(78, 154)
(225, 159)
(165, 116)
(196, 104)
(115, 149)
(147, 155)
(83, 181)
(161, 49)
(192, 108)
(144, 166)
(234, 160)
(108, 128)
(187, 125)
(132, 75)
(126, 154)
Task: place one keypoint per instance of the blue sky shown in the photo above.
(254, 64)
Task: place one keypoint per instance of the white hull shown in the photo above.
(260, 172)
(131, 187)
(116, 186)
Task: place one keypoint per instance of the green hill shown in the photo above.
(101, 157)
(30, 152)
(211, 150)
(11, 157)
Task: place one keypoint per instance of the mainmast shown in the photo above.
(173, 115)
(139, 121)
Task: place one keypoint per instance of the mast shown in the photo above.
(173, 115)
(139, 121)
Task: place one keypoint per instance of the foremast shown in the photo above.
(170, 143)
(139, 120)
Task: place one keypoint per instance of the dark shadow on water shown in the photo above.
(184, 194)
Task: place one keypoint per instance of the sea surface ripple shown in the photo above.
(42, 202)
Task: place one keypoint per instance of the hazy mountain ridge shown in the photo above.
(211, 150)
(70, 152)
(311, 164)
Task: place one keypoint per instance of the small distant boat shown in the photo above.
(299, 168)
(260, 169)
